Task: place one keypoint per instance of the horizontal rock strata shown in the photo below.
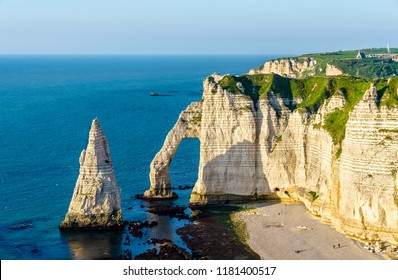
(251, 149)
(292, 67)
(297, 68)
(96, 200)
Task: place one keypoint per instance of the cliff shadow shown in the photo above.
(262, 184)
(380, 94)
(235, 176)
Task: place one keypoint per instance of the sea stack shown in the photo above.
(96, 200)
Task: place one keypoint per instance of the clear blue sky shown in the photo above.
(195, 27)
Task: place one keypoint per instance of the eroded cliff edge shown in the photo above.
(368, 63)
(330, 142)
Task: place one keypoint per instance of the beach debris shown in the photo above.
(298, 251)
(274, 224)
(391, 249)
(300, 228)
(380, 247)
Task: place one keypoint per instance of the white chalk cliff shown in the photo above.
(96, 200)
(296, 68)
(252, 149)
(187, 126)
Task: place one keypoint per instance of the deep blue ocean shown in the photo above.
(47, 104)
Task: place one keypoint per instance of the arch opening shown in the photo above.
(184, 169)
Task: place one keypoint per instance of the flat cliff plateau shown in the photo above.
(330, 142)
(297, 68)
(96, 199)
(368, 63)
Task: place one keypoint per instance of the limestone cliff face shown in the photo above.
(188, 126)
(293, 67)
(252, 149)
(332, 70)
(368, 201)
(234, 123)
(296, 68)
(96, 198)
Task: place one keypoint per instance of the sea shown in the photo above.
(47, 104)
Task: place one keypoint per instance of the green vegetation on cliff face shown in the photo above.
(378, 63)
(352, 89)
(387, 93)
(311, 93)
(368, 68)
(365, 68)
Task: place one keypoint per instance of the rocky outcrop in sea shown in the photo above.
(96, 200)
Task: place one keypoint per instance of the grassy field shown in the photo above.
(367, 68)
(349, 54)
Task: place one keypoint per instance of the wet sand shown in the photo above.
(288, 232)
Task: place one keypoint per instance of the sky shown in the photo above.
(195, 27)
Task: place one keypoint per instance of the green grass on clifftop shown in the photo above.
(388, 92)
(346, 61)
(311, 93)
(351, 89)
(365, 68)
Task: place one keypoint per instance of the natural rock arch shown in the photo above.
(230, 169)
(187, 126)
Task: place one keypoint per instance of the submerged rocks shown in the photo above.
(135, 228)
(166, 209)
(187, 126)
(170, 210)
(21, 226)
(167, 251)
(210, 237)
(96, 200)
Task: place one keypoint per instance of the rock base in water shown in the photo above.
(167, 251)
(92, 222)
(96, 199)
(152, 196)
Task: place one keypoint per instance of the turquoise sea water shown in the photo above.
(47, 104)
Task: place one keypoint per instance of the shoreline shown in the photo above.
(212, 236)
(283, 231)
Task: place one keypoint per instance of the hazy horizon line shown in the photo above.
(134, 54)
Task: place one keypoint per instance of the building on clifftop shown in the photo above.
(360, 55)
